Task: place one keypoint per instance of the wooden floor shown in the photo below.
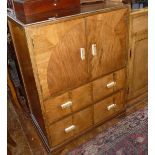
(27, 141)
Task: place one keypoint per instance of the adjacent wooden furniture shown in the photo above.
(31, 7)
(74, 71)
(138, 54)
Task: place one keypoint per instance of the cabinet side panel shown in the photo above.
(22, 54)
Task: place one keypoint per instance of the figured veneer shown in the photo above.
(109, 107)
(109, 84)
(57, 131)
(100, 89)
(81, 97)
(109, 32)
(70, 126)
(70, 67)
(53, 108)
(58, 58)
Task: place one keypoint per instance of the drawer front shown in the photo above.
(100, 88)
(81, 97)
(140, 23)
(61, 131)
(83, 119)
(108, 84)
(57, 107)
(109, 107)
(70, 126)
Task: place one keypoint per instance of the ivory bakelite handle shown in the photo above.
(111, 106)
(94, 52)
(111, 84)
(66, 105)
(70, 128)
(82, 53)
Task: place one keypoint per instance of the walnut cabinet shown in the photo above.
(72, 69)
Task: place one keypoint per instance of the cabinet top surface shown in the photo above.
(85, 10)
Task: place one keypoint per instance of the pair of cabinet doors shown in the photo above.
(71, 53)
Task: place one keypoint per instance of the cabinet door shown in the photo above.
(138, 55)
(60, 55)
(107, 38)
(139, 63)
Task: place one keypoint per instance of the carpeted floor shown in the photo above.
(128, 137)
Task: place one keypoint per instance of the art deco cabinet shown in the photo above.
(138, 54)
(74, 71)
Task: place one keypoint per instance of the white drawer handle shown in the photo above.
(111, 106)
(66, 105)
(82, 52)
(111, 84)
(69, 129)
(94, 49)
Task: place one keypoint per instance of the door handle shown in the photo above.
(94, 52)
(82, 53)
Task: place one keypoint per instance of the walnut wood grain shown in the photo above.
(58, 57)
(53, 108)
(109, 32)
(100, 89)
(57, 67)
(83, 120)
(120, 79)
(101, 112)
(57, 131)
(81, 97)
(21, 50)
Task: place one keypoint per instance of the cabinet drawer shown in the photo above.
(81, 97)
(109, 107)
(57, 107)
(108, 84)
(70, 126)
(100, 88)
(140, 23)
(61, 131)
(83, 119)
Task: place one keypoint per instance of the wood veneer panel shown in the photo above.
(101, 112)
(57, 56)
(83, 119)
(53, 108)
(109, 32)
(23, 58)
(120, 78)
(81, 97)
(57, 131)
(100, 89)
